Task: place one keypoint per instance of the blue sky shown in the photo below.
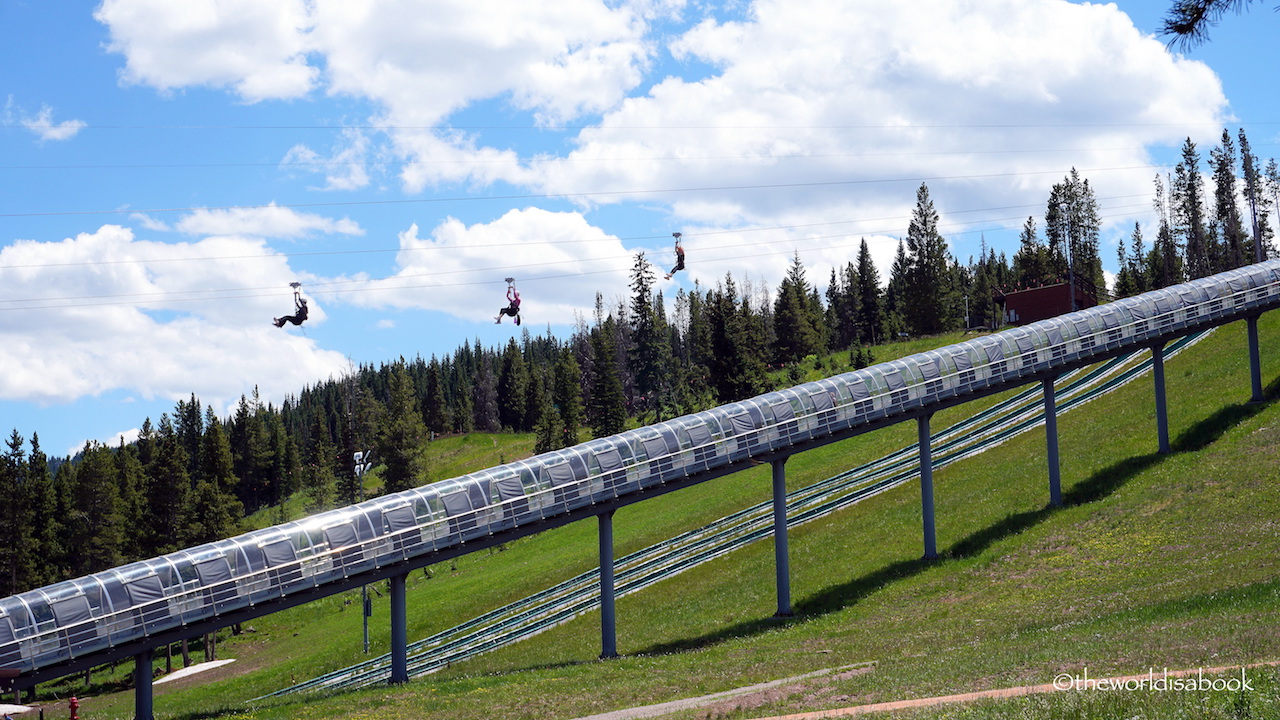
(168, 168)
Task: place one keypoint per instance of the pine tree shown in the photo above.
(929, 289)
(549, 434)
(1188, 21)
(187, 423)
(1164, 265)
(513, 388)
(145, 443)
(1259, 203)
(1072, 224)
(985, 274)
(737, 367)
(285, 473)
(1088, 220)
(133, 506)
(895, 295)
(462, 407)
(606, 413)
(536, 396)
(1137, 262)
(435, 409)
(870, 300)
(753, 348)
(168, 493)
(319, 480)
(15, 521)
(795, 333)
(401, 435)
(1227, 221)
(46, 524)
(94, 524)
(568, 398)
(1124, 280)
(1031, 264)
(650, 351)
(64, 480)
(1271, 186)
(1188, 217)
(485, 398)
(216, 511)
(697, 388)
(850, 326)
(251, 447)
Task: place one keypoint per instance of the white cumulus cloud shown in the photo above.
(266, 221)
(41, 123)
(105, 311)
(258, 49)
(557, 258)
(838, 110)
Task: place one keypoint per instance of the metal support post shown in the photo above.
(608, 627)
(1051, 442)
(926, 488)
(365, 611)
(1162, 412)
(399, 631)
(1255, 360)
(143, 708)
(782, 563)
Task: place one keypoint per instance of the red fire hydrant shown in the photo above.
(74, 705)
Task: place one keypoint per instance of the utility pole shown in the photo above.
(359, 462)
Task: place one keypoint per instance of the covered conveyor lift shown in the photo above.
(125, 612)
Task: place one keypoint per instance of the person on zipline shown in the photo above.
(299, 309)
(679, 258)
(513, 308)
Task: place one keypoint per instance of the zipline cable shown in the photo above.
(580, 194)
(332, 287)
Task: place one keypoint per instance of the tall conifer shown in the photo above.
(930, 285)
(606, 413)
(1188, 213)
(870, 297)
(401, 435)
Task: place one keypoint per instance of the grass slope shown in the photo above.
(1155, 561)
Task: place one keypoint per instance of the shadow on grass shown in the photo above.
(836, 597)
(1100, 485)
(1207, 431)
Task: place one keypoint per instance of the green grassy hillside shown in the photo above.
(1155, 561)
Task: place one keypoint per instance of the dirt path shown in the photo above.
(745, 698)
(766, 689)
(1063, 682)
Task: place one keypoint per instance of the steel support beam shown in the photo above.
(1051, 442)
(608, 620)
(143, 706)
(1162, 410)
(1255, 360)
(781, 557)
(399, 631)
(926, 488)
